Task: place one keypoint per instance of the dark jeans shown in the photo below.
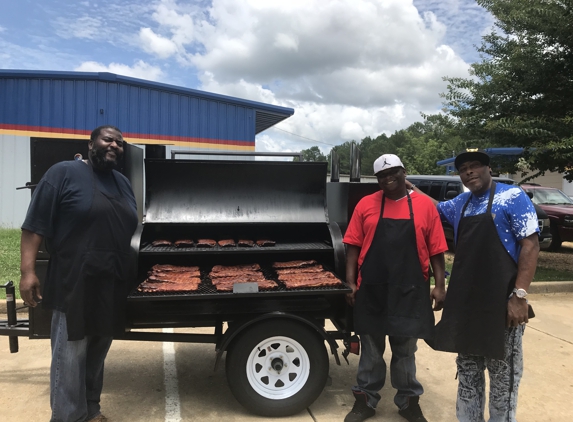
(504, 378)
(76, 373)
(372, 369)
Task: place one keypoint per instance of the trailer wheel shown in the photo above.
(277, 368)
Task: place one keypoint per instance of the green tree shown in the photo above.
(313, 154)
(520, 93)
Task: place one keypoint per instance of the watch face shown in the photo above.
(520, 293)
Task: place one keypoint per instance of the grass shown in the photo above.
(9, 258)
(541, 273)
(10, 263)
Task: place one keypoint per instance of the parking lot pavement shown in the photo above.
(135, 387)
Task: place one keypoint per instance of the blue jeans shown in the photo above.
(372, 369)
(76, 373)
(504, 378)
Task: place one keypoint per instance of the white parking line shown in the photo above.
(172, 408)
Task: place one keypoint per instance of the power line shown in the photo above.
(303, 137)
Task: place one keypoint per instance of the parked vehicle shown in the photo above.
(443, 188)
(559, 208)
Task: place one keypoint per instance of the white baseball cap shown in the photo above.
(387, 161)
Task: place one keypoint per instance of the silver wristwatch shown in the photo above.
(520, 293)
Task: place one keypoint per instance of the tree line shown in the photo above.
(519, 95)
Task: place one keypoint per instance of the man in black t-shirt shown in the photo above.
(86, 212)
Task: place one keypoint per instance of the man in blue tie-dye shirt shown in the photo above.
(486, 309)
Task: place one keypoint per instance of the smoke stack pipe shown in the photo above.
(334, 167)
(355, 160)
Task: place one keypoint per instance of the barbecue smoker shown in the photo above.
(276, 362)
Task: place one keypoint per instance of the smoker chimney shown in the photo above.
(334, 166)
(354, 162)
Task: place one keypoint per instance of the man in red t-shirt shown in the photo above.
(393, 237)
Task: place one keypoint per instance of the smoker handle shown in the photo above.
(240, 153)
(11, 313)
(339, 250)
(29, 185)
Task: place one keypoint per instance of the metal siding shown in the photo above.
(44, 102)
(14, 172)
(78, 102)
(163, 113)
(123, 107)
(111, 112)
(186, 119)
(68, 104)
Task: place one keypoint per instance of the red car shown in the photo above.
(559, 208)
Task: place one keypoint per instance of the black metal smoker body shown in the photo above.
(276, 359)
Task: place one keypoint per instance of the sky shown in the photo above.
(349, 68)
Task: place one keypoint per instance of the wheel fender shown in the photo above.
(232, 333)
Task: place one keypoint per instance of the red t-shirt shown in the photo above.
(429, 232)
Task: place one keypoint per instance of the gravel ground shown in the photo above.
(562, 260)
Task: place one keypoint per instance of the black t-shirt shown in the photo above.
(64, 196)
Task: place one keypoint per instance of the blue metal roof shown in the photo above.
(492, 152)
(73, 103)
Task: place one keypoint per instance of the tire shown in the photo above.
(277, 368)
(556, 241)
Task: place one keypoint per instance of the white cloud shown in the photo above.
(140, 69)
(156, 44)
(349, 68)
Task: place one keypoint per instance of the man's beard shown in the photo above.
(98, 159)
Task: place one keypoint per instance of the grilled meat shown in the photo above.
(233, 269)
(294, 264)
(184, 243)
(174, 268)
(191, 284)
(226, 243)
(161, 242)
(245, 243)
(312, 269)
(265, 243)
(324, 279)
(206, 243)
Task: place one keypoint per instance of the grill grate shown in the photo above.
(206, 288)
(279, 247)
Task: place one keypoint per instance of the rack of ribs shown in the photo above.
(171, 278)
(294, 264)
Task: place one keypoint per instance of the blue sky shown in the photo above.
(349, 68)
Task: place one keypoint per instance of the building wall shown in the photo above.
(14, 172)
(553, 180)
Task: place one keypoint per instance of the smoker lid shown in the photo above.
(225, 191)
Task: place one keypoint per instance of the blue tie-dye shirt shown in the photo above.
(515, 216)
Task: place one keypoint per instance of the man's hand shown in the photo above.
(29, 283)
(438, 296)
(351, 297)
(30, 289)
(516, 311)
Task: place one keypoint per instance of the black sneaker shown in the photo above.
(413, 413)
(360, 411)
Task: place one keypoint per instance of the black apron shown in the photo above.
(474, 316)
(97, 264)
(394, 296)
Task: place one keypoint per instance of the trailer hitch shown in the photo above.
(11, 327)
